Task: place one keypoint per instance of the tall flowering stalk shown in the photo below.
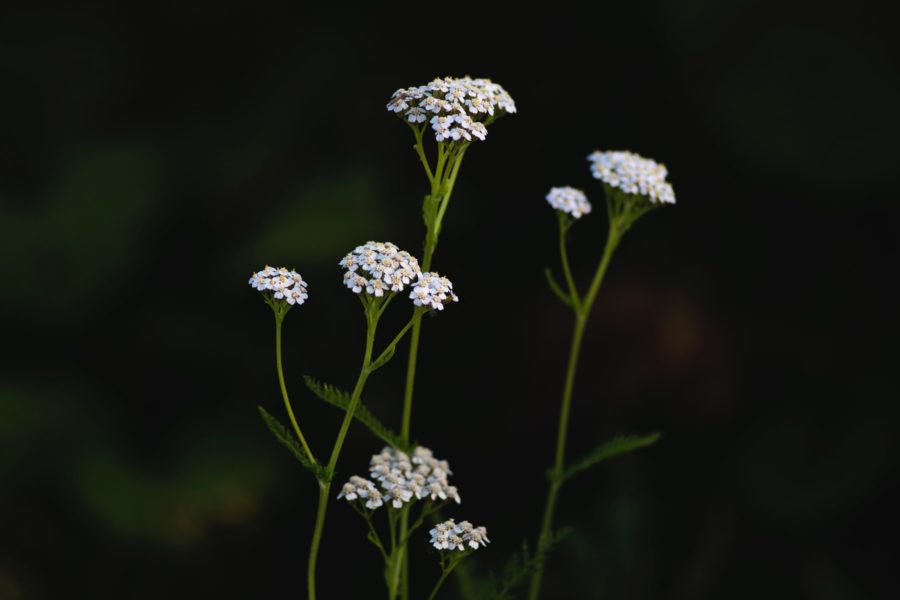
(377, 273)
(458, 112)
(633, 186)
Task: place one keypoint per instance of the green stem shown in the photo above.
(325, 487)
(399, 560)
(389, 350)
(287, 403)
(582, 312)
(410, 379)
(439, 185)
(567, 271)
(446, 572)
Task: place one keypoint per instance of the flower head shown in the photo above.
(633, 174)
(569, 200)
(377, 268)
(458, 109)
(451, 535)
(361, 488)
(402, 478)
(433, 291)
(280, 284)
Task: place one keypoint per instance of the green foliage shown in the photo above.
(620, 444)
(341, 399)
(288, 441)
(518, 569)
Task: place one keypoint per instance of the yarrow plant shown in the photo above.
(405, 485)
(633, 186)
(458, 112)
(377, 272)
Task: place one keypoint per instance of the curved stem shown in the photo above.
(325, 487)
(389, 350)
(582, 313)
(420, 150)
(287, 403)
(567, 271)
(324, 490)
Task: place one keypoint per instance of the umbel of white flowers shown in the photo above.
(377, 268)
(633, 174)
(569, 200)
(401, 479)
(451, 535)
(458, 109)
(280, 284)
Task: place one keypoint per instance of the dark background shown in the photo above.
(154, 158)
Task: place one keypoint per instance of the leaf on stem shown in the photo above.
(555, 288)
(287, 439)
(341, 399)
(620, 444)
(520, 566)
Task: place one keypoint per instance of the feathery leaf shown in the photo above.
(341, 399)
(288, 441)
(620, 444)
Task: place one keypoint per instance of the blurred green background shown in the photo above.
(155, 157)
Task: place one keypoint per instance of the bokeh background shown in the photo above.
(155, 157)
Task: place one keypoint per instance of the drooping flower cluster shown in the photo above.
(379, 267)
(633, 174)
(433, 291)
(569, 200)
(450, 535)
(282, 284)
(402, 479)
(456, 108)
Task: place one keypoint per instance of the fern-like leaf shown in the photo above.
(288, 441)
(341, 399)
(620, 444)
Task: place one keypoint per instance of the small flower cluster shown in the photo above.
(450, 535)
(569, 200)
(455, 107)
(402, 478)
(388, 268)
(433, 291)
(359, 487)
(633, 174)
(281, 283)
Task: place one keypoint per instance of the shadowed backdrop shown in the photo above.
(155, 158)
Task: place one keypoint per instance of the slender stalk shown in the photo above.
(325, 487)
(439, 185)
(446, 572)
(396, 566)
(287, 403)
(582, 312)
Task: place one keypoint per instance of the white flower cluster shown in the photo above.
(402, 479)
(450, 535)
(433, 291)
(633, 174)
(359, 487)
(379, 267)
(569, 200)
(455, 107)
(283, 284)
